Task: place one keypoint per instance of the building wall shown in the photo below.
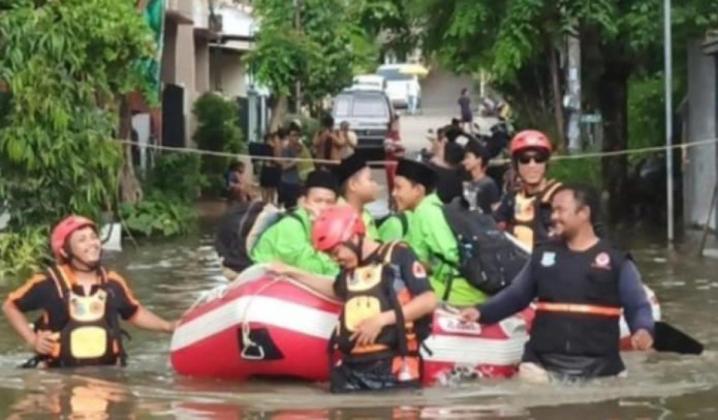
(202, 65)
(167, 72)
(700, 171)
(231, 72)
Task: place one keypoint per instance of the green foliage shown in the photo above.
(177, 176)
(646, 116)
(218, 130)
(64, 65)
(158, 214)
(21, 253)
(586, 171)
(391, 23)
(322, 54)
(55, 142)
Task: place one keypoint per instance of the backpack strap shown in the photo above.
(387, 252)
(55, 274)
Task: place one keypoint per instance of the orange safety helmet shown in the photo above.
(335, 226)
(62, 231)
(530, 139)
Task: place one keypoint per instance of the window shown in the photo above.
(370, 106)
(393, 75)
(342, 106)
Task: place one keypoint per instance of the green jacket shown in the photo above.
(394, 229)
(290, 241)
(429, 236)
(370, 224)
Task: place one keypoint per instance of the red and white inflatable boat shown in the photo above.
(258, 325)
(263, 325)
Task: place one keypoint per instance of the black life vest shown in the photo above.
(92, 333)
(578, 309)
(370, 291)
(532, 215)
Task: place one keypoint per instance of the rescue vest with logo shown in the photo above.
(92, 334)
(578, 304)
(370, 292)
(532, 215)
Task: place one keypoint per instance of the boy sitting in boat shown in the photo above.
(388, 304)
(81, 304)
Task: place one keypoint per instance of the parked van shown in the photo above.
(369, 82)
(399, 84)
(369, 113)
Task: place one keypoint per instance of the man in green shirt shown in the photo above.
(358, 189)
(395, 227)
(289, 240)
(429, 234)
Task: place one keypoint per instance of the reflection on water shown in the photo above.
(169, 277)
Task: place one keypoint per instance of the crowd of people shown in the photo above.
(391, 275)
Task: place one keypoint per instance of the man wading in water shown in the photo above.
(582, 285)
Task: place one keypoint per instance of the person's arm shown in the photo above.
(29, 297)
(339, 139)
(511, 300)
(42, 342)
(636, 307)
(422, 303)
(504, 211)
(322, 284)
(148, 320)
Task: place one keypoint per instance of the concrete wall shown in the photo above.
(201, 46)
(232, 73)
(701, 163)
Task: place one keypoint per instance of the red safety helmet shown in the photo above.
(530, 139)
(62, 231)
(335, 226)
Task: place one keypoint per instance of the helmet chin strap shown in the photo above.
(356, 248)
(88, 267)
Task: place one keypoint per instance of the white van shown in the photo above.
(368, 82)
(399, 85)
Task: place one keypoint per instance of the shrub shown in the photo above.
(158, 214)
(217, 130)
(22, 253)
(176, 175)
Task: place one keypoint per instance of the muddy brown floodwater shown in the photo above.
(168, 277)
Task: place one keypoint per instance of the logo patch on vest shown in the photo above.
(548, 259)
(418, 270)
(602, 261)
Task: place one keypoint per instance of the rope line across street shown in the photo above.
(643, 150)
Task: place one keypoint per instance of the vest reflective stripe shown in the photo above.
(579, 309)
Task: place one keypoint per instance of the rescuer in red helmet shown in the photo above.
(526, 213)
(387, 309)
(81, 303)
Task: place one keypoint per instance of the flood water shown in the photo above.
(168, 277)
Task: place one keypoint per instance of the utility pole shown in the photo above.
(298, 83)
(668, 52)
(573, 97)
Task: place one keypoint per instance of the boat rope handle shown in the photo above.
(247, 342)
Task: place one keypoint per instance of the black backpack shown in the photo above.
(488, 260)
(240, 229)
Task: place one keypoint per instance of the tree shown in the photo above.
(315, 42)
(518, 41)
(65, 89)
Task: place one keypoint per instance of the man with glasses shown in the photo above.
(526, 213)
